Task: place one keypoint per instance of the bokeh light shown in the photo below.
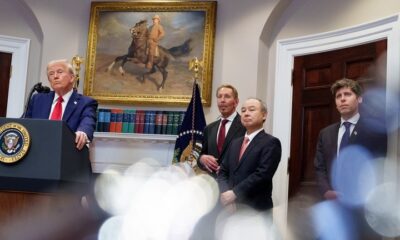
(382, 210)
(111, 229)
(380, 109)
(245, 223)
(331, 221)
(353, 175)
(156, 202)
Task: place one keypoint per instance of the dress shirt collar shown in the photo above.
(66, 96)
(230, 118)
(353, 120)
(253, 134)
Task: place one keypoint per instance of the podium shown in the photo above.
(52, 161)
(46, 184)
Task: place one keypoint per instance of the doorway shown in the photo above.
(313, 106)
(5, 74)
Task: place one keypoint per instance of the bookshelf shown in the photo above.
(134, 137)
(119, 151)
(124, 137)
(135, 121)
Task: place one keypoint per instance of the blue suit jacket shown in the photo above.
(80, 112)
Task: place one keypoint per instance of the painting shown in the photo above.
(138, 52)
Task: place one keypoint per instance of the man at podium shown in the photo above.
(65, 103)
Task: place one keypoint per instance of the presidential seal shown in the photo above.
(14, 142)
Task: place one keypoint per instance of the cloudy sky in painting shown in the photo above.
(113, 36)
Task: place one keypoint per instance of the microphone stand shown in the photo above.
(37, 87)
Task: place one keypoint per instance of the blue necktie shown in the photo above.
(346, 136)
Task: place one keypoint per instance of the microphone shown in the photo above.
(38, 88)
(41, 89)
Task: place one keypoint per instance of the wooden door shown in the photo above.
(313, 105)
(5, 71)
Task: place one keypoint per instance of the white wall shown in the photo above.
(65, 29)
(17, 20)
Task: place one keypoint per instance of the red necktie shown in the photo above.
(57, 111)
(221, 135)
(244, 146)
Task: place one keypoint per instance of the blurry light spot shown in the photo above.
(245, 222)
(111, 229)
(332, 222)
(382, 210)
(353, 175)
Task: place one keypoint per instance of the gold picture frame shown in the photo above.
(116, 60)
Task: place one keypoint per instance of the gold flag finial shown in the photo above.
(76, 63)
(195, 65)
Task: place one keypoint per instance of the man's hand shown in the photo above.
(209, 162)
(330, 195)
(228, 197)
(81, 139)
(231, 208)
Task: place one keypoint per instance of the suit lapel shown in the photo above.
(213, 138)
(249, 148)
(354, 134)
(71, 106)
(229, 137)
(47, 105)
(334, 144)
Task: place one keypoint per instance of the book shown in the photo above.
(152, 122)
(113, 120)
(164, 122)
(132, 118)
(158, 122)
(125, 121)
(175, 122)
(107, 119)
(139, 121)
(119, 117)
(170, 119)
(146, 122)
(100, 120)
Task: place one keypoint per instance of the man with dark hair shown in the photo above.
(352, 130)
(219, 134)
(250, 163)
(347, 94)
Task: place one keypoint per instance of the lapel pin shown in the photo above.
(355, 133)
(75, 102)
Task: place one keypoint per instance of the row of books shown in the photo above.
(139, 121)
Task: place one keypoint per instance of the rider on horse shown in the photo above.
(156, 33)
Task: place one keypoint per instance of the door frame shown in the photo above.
(19, 48)
(386, 28)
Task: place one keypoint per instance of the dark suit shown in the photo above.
(327, 148)
(79, 114)
(251, 177)
(326, 154)
(210, 139)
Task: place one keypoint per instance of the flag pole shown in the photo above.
(188, 143)
(195, 66)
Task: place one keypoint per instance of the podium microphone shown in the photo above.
(38, 87)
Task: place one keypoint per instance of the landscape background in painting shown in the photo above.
(114, 39)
